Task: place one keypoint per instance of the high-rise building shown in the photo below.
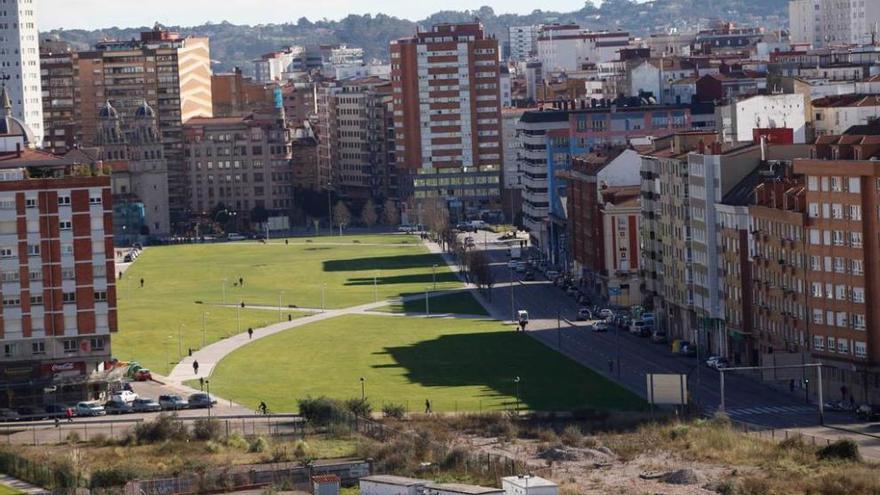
(234, 95)
(831, 22)
(523, 41)
(447, 116)
(355, 152)
(57, 263)
(172, 73)
(58, 64)
(20, 63)
(569, 47)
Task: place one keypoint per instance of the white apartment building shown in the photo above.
(737, 120)
(833, 22)
(835, 114)
(20, 63)
(567, 48)
(533, 132)
(523, 41)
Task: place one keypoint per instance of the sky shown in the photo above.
(91, 14)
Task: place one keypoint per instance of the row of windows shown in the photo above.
(38, 348)
(840, 345)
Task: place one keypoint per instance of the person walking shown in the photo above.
(241, 281)
(250, 333)
(843, 391)
(69, 413)
(142, 283)
(427, 406)
(196, 367)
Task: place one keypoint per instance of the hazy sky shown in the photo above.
(70, 14)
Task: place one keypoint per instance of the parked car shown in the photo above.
(128, 258)
(639, 327)
(658, 337)
(233, 236)
(584, 314)
(200, 400)
(552, 275)
(143, 375)
(32, 413)
(117, 407)
(648, 317)
(868, 412)
(406, 228)
(717, 362)
(124, 396)
(606, 313)
(145, 404)
(172, 402)
(520, 267)
(511, 264)
(600, 326)
(9, 415)
(89, 408)
(508, 235)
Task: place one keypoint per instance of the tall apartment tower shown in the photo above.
(447, 116)
(20, 63)
(58, 72)
(830, 22)
(523, 41)
(170, 72)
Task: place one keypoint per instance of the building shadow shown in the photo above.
(402, 262)
(415, 278)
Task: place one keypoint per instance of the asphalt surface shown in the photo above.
(552, 320)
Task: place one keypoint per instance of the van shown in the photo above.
(640, 328)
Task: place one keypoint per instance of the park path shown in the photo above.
(21, 486)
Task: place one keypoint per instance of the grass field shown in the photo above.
(457, 302)
(6, 490)
(457, 364)
(176, 277)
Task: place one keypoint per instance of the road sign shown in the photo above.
(667, 389)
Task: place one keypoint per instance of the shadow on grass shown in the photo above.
(491, 360)
(456, 303)
(416, 278)
(384, 263)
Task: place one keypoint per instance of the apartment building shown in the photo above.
(739, 119)
(832, 22)
(355, 147)
(241, 164)
(447, 117)
(58, 69)
(295, 61)
(20, 63)
(843, 202)
(235, 95)
(133, 150)
(56, 258)
(172, 73)
(523, 41)
(569, 47)
(835, 114)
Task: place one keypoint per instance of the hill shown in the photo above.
(236, 45)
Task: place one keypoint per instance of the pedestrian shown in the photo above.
(201, 383)
(142, 283)
(57, 422)
(264, 409)
(791, 386)
(120, 275)
(427, 406)
(250, 333)
(196, 367)
(240, 281)
(843, 392)
(69, 413)
(852, 402)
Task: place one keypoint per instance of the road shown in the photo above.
(552, 316)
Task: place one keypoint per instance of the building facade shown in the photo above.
(830, 22)
(523, 41)
(447, 116)
(20, 63)
(58, 64)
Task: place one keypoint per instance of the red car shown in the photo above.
(143, 375)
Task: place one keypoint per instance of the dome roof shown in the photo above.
(144, 110)
(11, 126)
(107, 111)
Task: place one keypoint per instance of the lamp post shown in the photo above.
(323, 290)
(280, 294)
(516, 382)
(434, 275)
(427, 305)
(224, 290)
(205, 328)
(208, 391)
(512, 308)
(363, 389)
(179, 343)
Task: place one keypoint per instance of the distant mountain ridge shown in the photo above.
(237, 45)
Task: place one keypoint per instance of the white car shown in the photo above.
(126, 396)
(606, 313)
(89, 408)
(717, 362)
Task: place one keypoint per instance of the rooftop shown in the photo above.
(466, 489)
(851, 100)
(394, 480)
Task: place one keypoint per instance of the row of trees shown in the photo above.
(369, 216)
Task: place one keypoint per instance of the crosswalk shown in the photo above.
(781, 410)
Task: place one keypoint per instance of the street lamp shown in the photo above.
(434, 275)
(516, 382)
(224, 290)
(363, 389)
(208, 391)
(205, 328)
(427, 305)
(179, 343)
(280, 294)
(323, 290)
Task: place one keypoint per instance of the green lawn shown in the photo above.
(176, 277)
(459, 364)
(457, 302)
(6, 490)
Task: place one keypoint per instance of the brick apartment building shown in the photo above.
(447, 116)
(57, 267)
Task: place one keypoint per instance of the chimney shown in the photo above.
(18, 150)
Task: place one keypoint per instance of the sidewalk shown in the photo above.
(9, 481)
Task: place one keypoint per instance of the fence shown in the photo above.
(779, 435)
(46, 433)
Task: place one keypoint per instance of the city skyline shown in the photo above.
(54, 14)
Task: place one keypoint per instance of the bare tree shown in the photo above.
(341, 215)
(368, 214)
(391, 215)
(480, 271)
(436, 215)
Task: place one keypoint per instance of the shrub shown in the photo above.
(844, 449)
(236, 442)
(359, 407)
(258, 444)
(394, 411)
(503, 428)
(301, 450)
(213, 447)
(547, 435)
(72, 437)
(206, 429)
(572, 436)
(322, 410)
(164, 427)
(113, 476)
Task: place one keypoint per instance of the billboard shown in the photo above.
(667, 389)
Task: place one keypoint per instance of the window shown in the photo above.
(69, 345)
(63, 200)
(36, 300)
(67, 249)
(68, 274)
(840, 319)
(855, 239)
(100, 296)
(857, 267)
(840, 292)
(815, 263)
(858, 321)
(832, 343)
(837, 238)
(813, 183)
(814, 210)
(836, 184)
(95, 200)
(38, 347)
(858, 294)
(33, 249)
(30, 202)
(65, 225)
(855, 185)
(68, 297)
(97, 343)
(861, 350)
(6, 253)
(816, 289)
(842, 346)
(837, 211)
(818, 342)
(10, 350)
(10, 276)
(855, 212)
(818, 317)
(11, 301)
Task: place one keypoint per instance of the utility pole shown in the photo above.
(280, 294)
(512, 305)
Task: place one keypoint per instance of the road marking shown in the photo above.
(751, 411)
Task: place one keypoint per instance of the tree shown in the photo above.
(436, 215)
(341, 215)
(391, 215)
(259, 214)
(368, 214)
(480, 270)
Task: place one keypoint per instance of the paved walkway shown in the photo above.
(21, 486)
